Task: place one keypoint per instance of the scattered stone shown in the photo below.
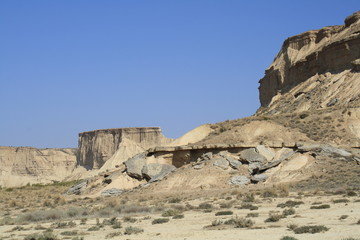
(263, 150)
(234, 163)
(135, 165)
(221, 163)
(305, 147)
(254, 167)
(239, 180)
(251, 156)
(77, 189)
(259, 178)
(336, 151)
(324, 149)
(112, 192)
(332, 102)
(269, 165)
(286, 154)
(357, 160)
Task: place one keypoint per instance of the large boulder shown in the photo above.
(251, 156)
(221, 162)
(264, 151)
(78, 188)
(239, 180)
(135, 165)
(269, 165)
(286, 153)
(165, 170)
(324, 150)
(258, 178)
(151, 170)
(327, 149)
(234, 163)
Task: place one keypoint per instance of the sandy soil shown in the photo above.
(193, 225)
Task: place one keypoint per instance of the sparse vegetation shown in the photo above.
(323, 206)
(288, 238)
(223, 213)
(133, 230)
(290, 203)
(310, 229)
(41, 236)
(252, 215)
(160, 220)
(342, 200)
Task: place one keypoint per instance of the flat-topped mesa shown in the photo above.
(96, 147)
(313, 70)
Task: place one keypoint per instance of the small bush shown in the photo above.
(248, 206)
(310, 229)
(113, 234)
(94, 228)
(352, 194)
(133, 230)
(160, 220)
(226, 205)
(252, 215)
(170, 213)
(178, 216)
(342, 217)
(43, 236)
(323, 206)
(240, 222)
(175, 200)
(69, 233)
(288, 212)
(288, 238)
(129, 219)
(290, 203)
(205, 206)
(342, 200)
(222, 213)
(274, 218)
(249, 198)
(116, 225)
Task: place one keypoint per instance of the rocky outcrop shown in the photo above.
(23, 165)
(315, 69)
(96, 147)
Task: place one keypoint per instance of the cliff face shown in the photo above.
(96, 147)
(316, 69)
(22, 165)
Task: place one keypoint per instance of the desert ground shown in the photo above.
(276, 212)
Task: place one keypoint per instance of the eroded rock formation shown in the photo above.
(96, 147)
(315, 69)
(23, 165)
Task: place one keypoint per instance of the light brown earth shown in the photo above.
(196, 223)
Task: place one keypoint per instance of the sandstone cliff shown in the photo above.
(313, 70)
(23, 165)
(96, 147)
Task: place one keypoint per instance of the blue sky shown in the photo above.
(72, 66)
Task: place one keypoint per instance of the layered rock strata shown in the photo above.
(23, 165)
(96, 147)
(315, 69)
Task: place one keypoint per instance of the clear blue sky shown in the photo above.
(71, 66)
